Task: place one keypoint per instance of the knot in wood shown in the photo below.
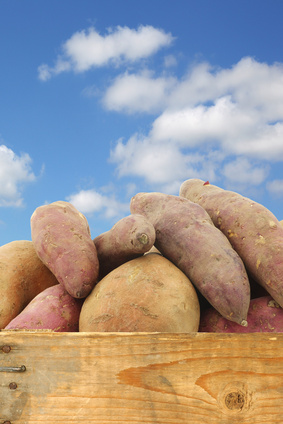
(235, 400)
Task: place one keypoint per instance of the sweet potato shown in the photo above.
(128, 239)
(53, 309)
(265, 315)
(62, 240)
(253, 231)
(186, 235)
(148, 293)
(22, 277)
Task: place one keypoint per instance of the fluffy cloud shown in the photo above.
(139, 154)
(201, 124)
(170, 61)
(225, 123)
(276, 187)
(88, 49)
(218, 124)
(132, 93)
(248, 82)
(213, 123)
(15, 171)
(241, 171)
(90, 201)
(162, 165)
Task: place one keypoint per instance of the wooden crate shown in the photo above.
(132, 378)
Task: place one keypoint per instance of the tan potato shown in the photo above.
(145, 294)
(22, 277)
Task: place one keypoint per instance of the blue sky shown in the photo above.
(102, 99)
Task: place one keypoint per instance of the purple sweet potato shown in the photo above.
(253, 231)
(264, 315)
(53, 309)
(148, 294)
(62, 240)
(128, 239)
(186, 235)
(22, 277)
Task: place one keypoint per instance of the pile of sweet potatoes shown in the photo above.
(207, 260)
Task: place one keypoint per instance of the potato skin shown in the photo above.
(53, 309)
(128, 239)
(22, 276)
(62, 240)
(265, 315)
(186, 235)
(253, 231)
(147, 294)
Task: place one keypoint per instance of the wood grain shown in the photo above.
(133, 378)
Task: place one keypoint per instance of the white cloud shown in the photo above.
(275, 187)
(138, 93)
(242, 170)
(87, 49)
(264, 142)
(254, 90)
(162, 165)
(15, 171)
(45, 72)
(137, 156)
(249, 83)
(212, 123)
(170, 61)
(201, 124)
(223, 122)
(90, 202)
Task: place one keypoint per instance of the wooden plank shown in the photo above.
(151, 378)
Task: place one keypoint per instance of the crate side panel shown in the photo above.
(142, 378)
